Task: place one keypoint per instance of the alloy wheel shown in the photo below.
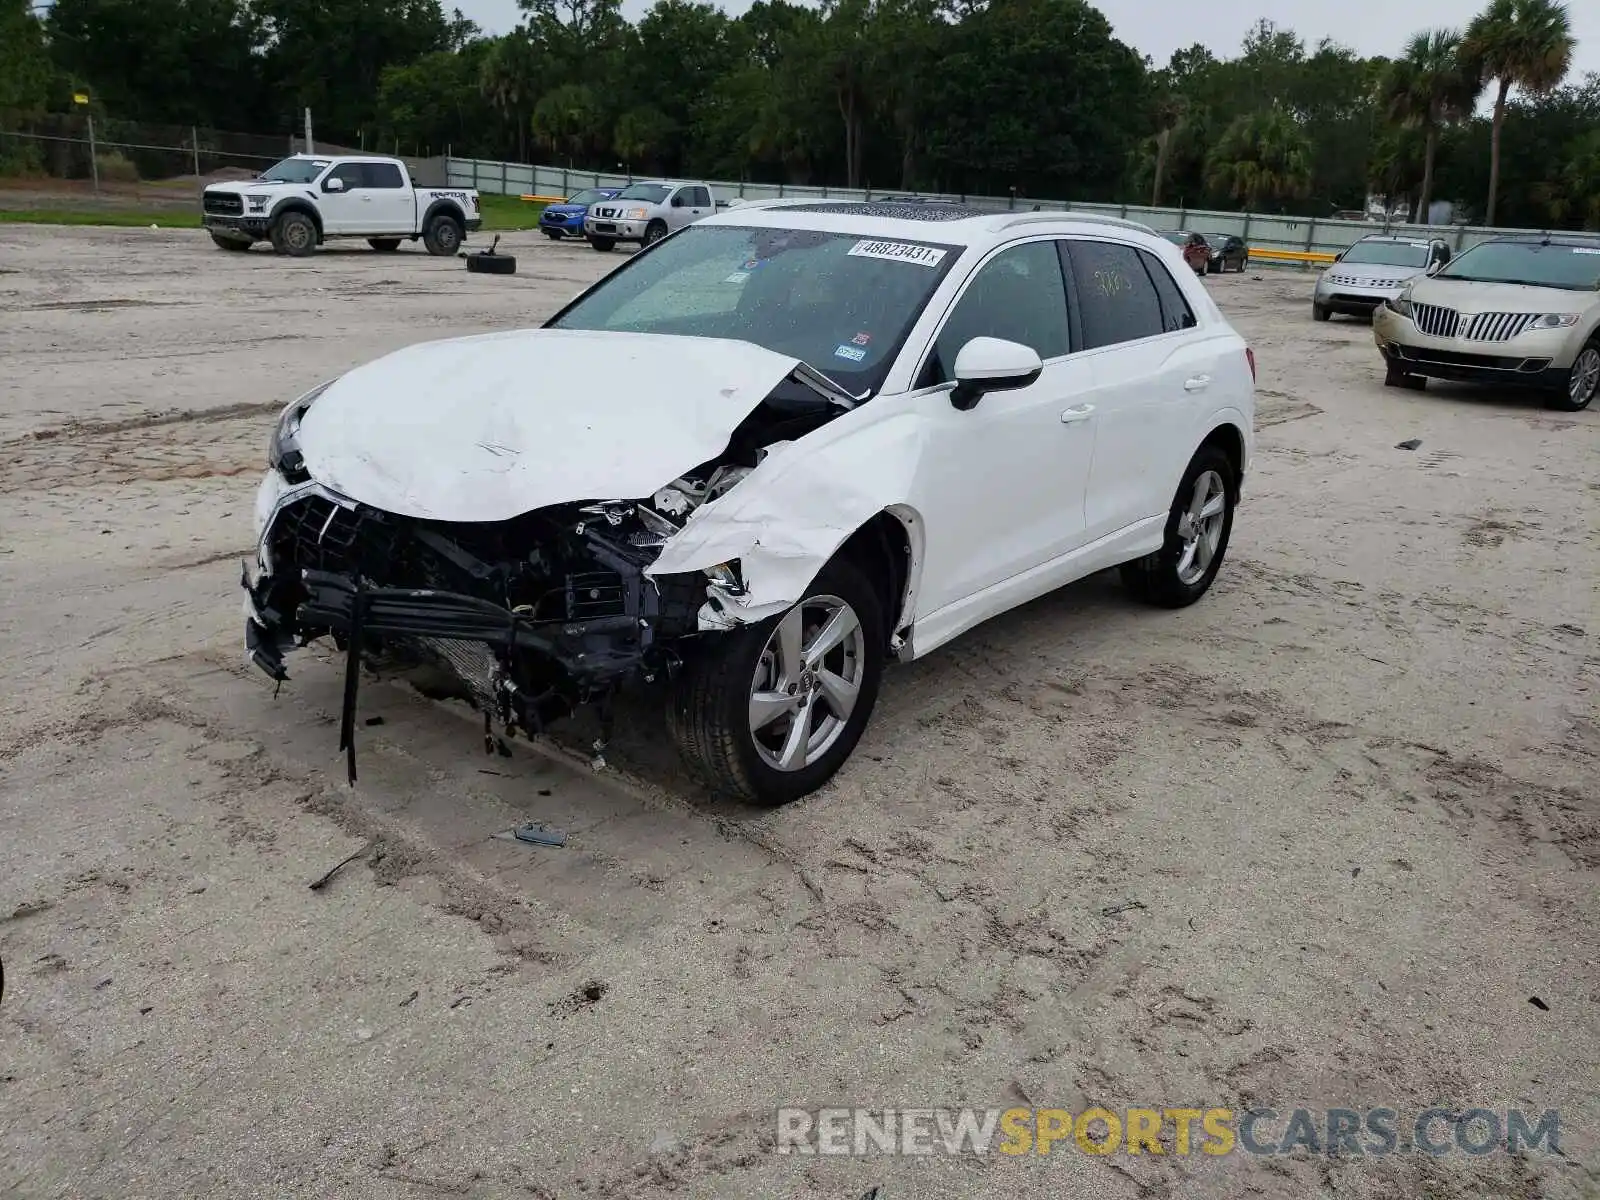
(1585, 377)
(806, 682)
(1200, 527)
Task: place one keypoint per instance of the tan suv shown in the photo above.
(1520, 311)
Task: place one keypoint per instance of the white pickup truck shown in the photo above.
(646, 212)
(307, 199)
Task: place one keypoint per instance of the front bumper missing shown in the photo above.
(594, 655)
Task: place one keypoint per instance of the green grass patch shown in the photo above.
(167, 219)
(506, 214)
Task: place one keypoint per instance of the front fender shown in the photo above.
(785, 520)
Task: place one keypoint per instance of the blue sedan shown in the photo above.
(561, 219)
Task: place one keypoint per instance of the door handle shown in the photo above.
(1081, 412)
(1197, 383)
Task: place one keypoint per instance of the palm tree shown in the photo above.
(510, 83)
(1517, 43)
(1171, 111)
(1263, 156)
(1427, 88)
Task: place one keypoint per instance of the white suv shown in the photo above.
(756, 462)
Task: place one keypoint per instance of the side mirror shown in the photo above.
(678, 201)
(1339, 257)
(987, 364)
(333, 185)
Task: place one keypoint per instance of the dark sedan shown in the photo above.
(1228, 252)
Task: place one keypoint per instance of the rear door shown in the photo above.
(1153, 372)
(1001, 486)
(388, 202)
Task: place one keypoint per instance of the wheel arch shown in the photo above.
(299, 206)
(888, 546)
(444, 208)
(1230, 439)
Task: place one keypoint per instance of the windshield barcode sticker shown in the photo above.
(1584, 250)
(924, 256)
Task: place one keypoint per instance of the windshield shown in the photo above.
(652, 193)
(1388, 254)
(1177, 237)
(1575, 268)
(838, 302)
(1216, 239)
(589, 196)
(296, 170)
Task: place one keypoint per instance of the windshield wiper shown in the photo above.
(805, 373)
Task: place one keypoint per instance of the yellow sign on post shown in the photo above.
(80, 97)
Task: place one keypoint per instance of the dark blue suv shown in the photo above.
(561, 219)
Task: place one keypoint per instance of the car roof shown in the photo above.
(1409, 239)
(944, 222)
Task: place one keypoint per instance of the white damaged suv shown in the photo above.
(762, 458)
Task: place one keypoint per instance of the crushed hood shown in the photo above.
(486, 428)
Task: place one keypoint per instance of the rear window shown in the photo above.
(384, 175)
(1116, 300)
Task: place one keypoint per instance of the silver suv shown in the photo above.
(646, 212)
(1372, 272)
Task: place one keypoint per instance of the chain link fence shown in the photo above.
(148, 161)
(73, 147)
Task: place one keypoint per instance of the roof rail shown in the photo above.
(1074, 215)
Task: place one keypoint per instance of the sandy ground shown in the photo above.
(1317, 841)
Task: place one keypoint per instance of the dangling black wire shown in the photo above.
(352, 677)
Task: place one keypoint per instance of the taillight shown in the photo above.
(1250, 357)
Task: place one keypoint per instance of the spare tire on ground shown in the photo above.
(491, 261)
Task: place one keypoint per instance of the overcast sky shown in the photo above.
(1158, 27)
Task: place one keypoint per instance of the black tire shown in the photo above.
(491, 264)
(1318, 312)
(443, 236)
(384, 245)
(709, 710)
(294, 234)
(654, 232)
(603, 244)
(1399, 377)
(1587, 362)
(1157, 578)
(236, 245)
(553, 234)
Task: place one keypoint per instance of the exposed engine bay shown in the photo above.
(533, 616)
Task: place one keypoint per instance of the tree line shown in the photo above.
(965, 96)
